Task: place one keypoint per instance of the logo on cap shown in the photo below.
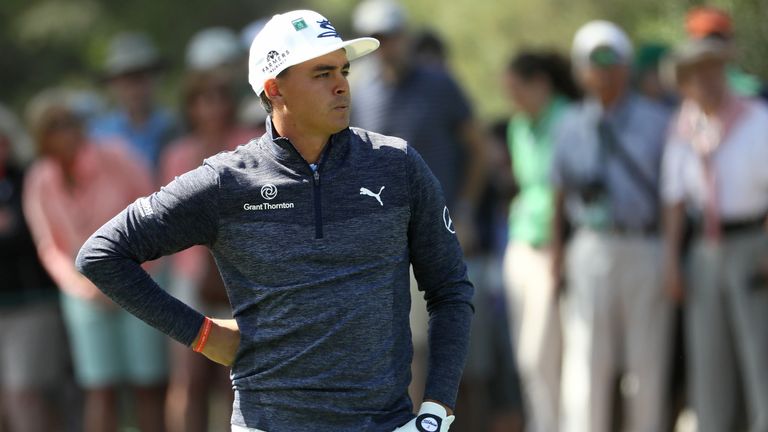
(299, 24)
(325, 24)
(274, 60)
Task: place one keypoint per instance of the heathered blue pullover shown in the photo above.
(316, 269)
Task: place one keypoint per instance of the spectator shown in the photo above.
(210, 111)
(540, 86)
(394, 95)
(616, 319)
(714, 167)
(130, 71)
(33, 352)
(72, 189)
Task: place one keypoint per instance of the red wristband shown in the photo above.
(205, 331)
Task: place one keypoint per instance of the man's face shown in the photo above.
(704, 83)
(528, 95)
(394, 48)
(133, 90)
(605, 82)
(315, 94)
(212, 108)
(62, 135)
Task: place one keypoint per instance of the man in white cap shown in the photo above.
(605, 172)
(313, 227)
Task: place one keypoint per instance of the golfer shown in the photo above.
(313, 227)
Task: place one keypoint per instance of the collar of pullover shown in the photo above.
(284, 151)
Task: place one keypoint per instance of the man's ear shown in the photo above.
(272, 89)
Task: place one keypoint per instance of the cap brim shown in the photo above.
(691, 59)
(359, 47)
(355, 49)
(676, 64)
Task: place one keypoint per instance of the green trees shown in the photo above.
(48, 42)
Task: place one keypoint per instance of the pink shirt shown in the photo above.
(61, 216)
(186, 154)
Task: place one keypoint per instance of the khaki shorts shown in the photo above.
(33, 349)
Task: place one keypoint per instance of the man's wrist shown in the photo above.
(202, 336)
(223, 340)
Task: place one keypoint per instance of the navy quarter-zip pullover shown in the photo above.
(316, 266)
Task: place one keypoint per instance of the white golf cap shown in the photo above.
(600, 34)
(213, 47)
(131, 52)
(295, 37)
(379, 17)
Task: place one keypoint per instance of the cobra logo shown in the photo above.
(268, 191)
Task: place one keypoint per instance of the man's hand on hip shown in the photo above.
(432, 417)
(223, 341)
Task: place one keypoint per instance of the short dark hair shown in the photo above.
(265, 102)
(556, 69)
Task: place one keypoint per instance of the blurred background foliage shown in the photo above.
(48, 42)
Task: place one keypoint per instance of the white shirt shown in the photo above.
(740, 167)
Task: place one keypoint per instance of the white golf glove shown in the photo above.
(432, 417)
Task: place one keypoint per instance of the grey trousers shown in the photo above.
(616, 321)
(727, 332)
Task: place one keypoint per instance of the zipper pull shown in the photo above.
(317, 177)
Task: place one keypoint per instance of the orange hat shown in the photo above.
(707, 20)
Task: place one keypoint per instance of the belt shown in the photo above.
(743, 225)
(645, 230)
(732, 226)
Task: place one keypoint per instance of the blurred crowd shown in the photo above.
(621, 276)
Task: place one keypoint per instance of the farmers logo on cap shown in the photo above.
(325, 24)
(299, 24)
(274, 60)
